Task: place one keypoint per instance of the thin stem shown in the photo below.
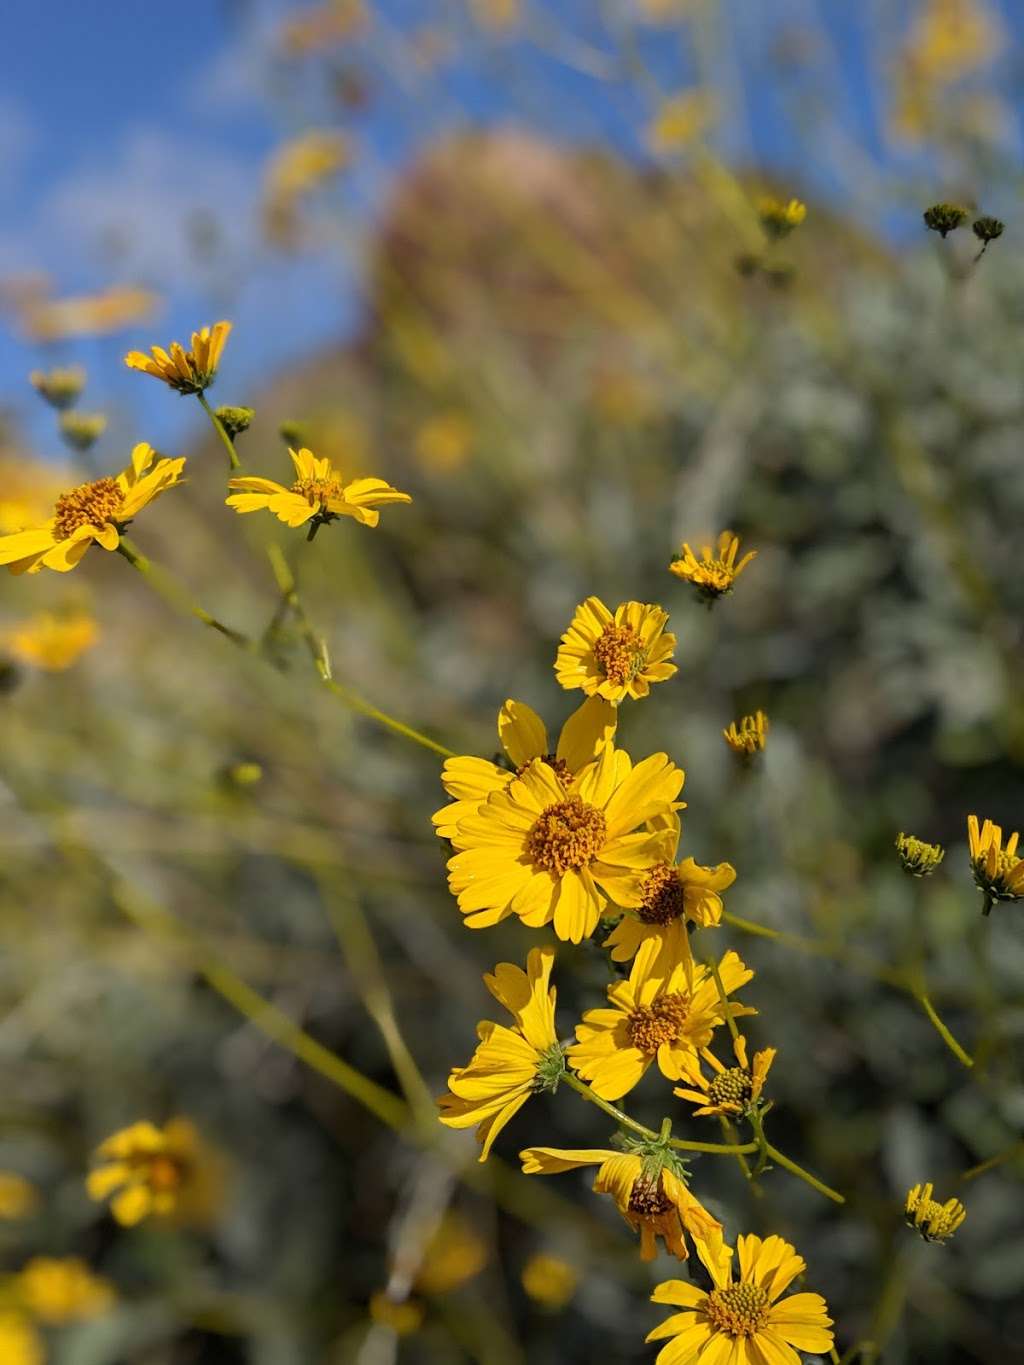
(762, 1142)
(723, 999)
(806, 1176)
(219, 428)
(1015, 1149)
(573, 1081)
(744, 1165)
(175, 595)
(941, 1029)
(321, 662)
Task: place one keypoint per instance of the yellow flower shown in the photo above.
(731, 1090)
(60, 387)
(532, 850)
(87, 315)
(669, 896)
(511, 1064)
(650, 1195)
(681, 119)
(444, 442)
(524, 737)
(779, 218)
(20, 1343)
(97, 511)
(747, 736)
(190, 371)
(743, 1322)
(549, 1280)
(404, 1316)
(934, 1221)
(998, 872)
(713, 575)
(56, 1291)
(161, 1171)
(615, 656)
(52, 642)
(454, 1255)
(657, 1014)
(81, 430)
(917, 857)
(318, 495)
(18, 1197)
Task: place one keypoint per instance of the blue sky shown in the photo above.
(124, 126)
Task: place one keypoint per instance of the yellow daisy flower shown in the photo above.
(779, 218)
(998, 872)
(654, 1016)
(653, 1199)
(93, 512)
(20, 1343)
(934, 1221)
(52, 642)
(714, 574)
(318, 495)
(511, 1064)
(671, 896)
(731, 1090)
(161, 1171)
(524, 737)
(615, 656)
(61, 1290)
(744, 1321)
(190, 371)
(549, 1280)
(532, 850)
(747, 736)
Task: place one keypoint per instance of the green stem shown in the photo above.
(762, 1142)
(219, 428)
(1013, 1150)
(174, 595)
(806, 1176)
(621, 1118)
(941, 1029)
(723, 999)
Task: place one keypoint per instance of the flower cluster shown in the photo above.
(582, 837)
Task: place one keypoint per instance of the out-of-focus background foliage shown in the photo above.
(488, 251)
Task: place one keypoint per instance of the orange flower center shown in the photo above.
(648, 1198)
(318, 492)
(733, 1087)
(558, 766)
(90, 504)
(619, 654)
(164, 1174)
(567, 835)
(662, 1022)
(664, 898)
(740, 1310)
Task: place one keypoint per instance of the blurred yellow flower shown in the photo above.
(190, 371)
(949, 41)
(444, 441)
(28, 490)
(747, 736)
(998, 872)
(496, 14)
(532, 850)
(319, 495)
(780, 216)
(650, 1195)
(81, 430)
(60, 1290)
(20, 1343)
(916, 857)
(670, 895)
(92, 512)
(935, 1222)
(680, 120)
(455, 1254)
(615, 656)
(60, 387)
(731, 1090)
(715, 573)
(52, 642)
(549, 1280)
(655, 1015)
(742, 1320)
(161, 1171)
(403, 1317)
(524, 737)
(18, 1196)
(510, 1065)
(301, 165)
(88, 315)
(321, 26)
